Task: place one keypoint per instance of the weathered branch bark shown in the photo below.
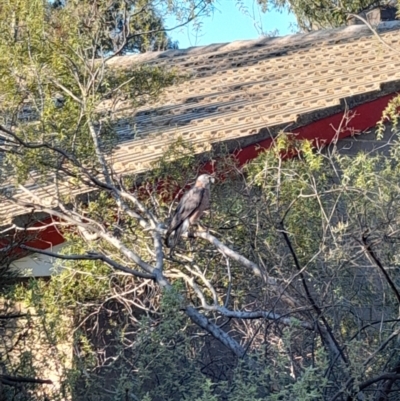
(159, 250)
(127, 252)
(202, 321)
(226, 251)
(215, 331)
(231, 314)
(100, 157)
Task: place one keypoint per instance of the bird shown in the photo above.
(190, 208)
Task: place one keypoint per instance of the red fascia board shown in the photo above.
(322, 131)
(47, 237)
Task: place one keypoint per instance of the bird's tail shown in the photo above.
(167, 237)
(172, 236)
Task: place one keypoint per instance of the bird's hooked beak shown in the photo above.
(212, 179)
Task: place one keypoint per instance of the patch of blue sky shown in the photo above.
(230, 22)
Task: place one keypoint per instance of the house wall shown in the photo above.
(26, 341)
(36, 265)
(368, 142)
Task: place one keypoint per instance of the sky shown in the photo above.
(229, 23)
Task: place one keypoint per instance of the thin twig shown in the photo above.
(372, 256)
(90, 256)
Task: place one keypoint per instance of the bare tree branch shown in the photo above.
(373, 257)
(226, 251)
(13, 316)
(326, 333)
(91, 256)
(15, 380)
(215, 331)
(269, 315)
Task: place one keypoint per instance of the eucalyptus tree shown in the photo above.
(322, 14)
(140, 23)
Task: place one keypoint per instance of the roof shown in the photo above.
(245, 91)
(239, 89)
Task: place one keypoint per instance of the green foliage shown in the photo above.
(124, 18)
(320, 14)
(127, 336)
(175, 166)
(154, 351)
(390, 114)
(52, 94)
(288, 185)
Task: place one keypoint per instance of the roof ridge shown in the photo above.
(303, 40)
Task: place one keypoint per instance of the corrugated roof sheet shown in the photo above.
(249, 89)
